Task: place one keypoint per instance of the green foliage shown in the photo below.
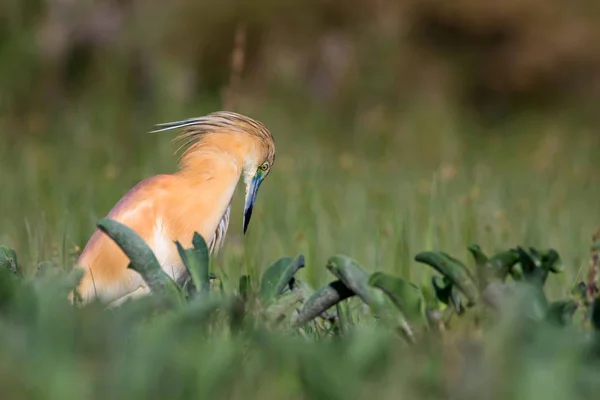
(8, 259)
(405, 295)
(279, 276)
(196, 260)
(452, 269)
(489, 288)
(193, 347)
(284, 297)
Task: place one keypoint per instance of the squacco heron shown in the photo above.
(221, 148)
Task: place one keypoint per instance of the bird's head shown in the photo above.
(256, 168)
(249, 139)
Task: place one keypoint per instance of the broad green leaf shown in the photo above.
(551, 261)
(405, 295)
(322, 300)
(494, 268)
(353, 276)
(442, 288)
(278, 276)
(516, 272)
(454, 270)
(531, 264)
(356, 279)
(447, 293)
(270, 278)
(196, 260)
(202, 255)
(502, 263)
(561, 312)
(8, 260)
(288, 274)
(143, 260)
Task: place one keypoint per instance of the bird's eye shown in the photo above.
(264, 166)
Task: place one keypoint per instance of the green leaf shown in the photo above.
(454, 270)
(278, 276)
(561, 312)
(321, 300)
(8, 260)
(356, 279)
(288, 274)
(516, 272)
(196, 260)
(447, 293)
(143, 260)
(551, 261)
(353, 276)
(405, 295)
(202, 255)
(494, 268)
(531, 264)
(502, 263)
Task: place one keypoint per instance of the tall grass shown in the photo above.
(379, 187)
(430, 183)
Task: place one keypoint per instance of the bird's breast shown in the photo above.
(166, 252)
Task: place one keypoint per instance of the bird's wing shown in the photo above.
(216, 242)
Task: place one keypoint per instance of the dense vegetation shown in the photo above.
(491, 333)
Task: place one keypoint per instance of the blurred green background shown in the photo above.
(400, 126)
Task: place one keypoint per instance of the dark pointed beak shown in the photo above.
(250, 199)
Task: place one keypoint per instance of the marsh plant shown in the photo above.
(478, 327)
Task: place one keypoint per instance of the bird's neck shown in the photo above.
(216, 153)
(211, 164)
(212, 177)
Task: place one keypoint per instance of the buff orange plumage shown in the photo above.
(222, 147)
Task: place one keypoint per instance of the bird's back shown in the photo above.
(160, 209)
(105, 264)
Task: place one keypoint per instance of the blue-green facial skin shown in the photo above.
(251, 198)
